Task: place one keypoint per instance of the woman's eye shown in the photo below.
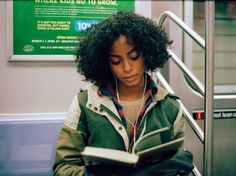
(114, 60)
(134, 56)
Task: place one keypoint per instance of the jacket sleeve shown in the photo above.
(71, 141)
(179, 125)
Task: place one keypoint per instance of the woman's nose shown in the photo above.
(127, 66)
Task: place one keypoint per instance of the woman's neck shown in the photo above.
(131, 93)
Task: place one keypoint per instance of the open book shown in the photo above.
(151, 146)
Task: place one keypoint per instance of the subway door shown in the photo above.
(224, 83)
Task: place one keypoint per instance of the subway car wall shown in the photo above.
(34, 102)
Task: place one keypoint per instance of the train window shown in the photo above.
(225, 44)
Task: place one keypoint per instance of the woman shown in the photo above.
(123, 102)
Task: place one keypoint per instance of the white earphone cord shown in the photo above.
(118, 98)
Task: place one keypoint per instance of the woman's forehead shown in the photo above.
(121, 41)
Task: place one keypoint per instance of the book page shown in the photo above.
(95, 155)
(161, 150)
(150, 146)
(152, 139)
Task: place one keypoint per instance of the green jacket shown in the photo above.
(94, 121)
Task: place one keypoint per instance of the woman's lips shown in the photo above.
(130, 78)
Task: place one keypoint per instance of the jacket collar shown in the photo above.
(96, 100)
(161, 94)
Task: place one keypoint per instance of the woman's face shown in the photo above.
(126, 63)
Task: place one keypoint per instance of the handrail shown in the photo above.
(209, 87)
(197, 38)
(224, 96)
(187, 72)
(198, 131)
(198, 86)
(195, 171)
(182, 25)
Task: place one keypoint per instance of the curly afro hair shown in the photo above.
(96, 42)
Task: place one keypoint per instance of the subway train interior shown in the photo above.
(36, 88)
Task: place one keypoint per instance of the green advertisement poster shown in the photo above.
(53, 27)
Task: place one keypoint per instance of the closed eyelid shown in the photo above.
(135, 55)
(111, 56)
(114, 59)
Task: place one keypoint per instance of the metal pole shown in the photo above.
(209, 86)
(195, 36)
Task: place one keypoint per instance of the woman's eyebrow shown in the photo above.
(133, 49)
(113, 55)
(116, 55)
